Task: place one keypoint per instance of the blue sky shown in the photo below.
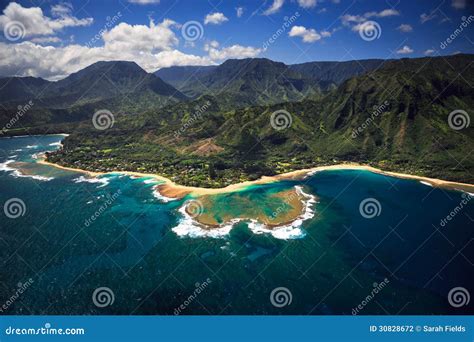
(55, 38)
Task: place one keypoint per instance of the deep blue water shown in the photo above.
(130, 247)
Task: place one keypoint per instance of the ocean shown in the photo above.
(367, 244)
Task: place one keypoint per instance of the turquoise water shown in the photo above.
(78, 234)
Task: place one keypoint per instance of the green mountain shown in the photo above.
(395, 117)
(121, 87)
(245, 82)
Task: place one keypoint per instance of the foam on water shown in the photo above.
(55, 144)
(191, 228)
(94, 180)
(160, 197)
(32, 146)
(17, 173)
(426, 183)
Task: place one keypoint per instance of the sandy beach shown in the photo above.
(173, 190)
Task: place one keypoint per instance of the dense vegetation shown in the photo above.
(394, 117)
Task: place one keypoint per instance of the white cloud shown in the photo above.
(151, 46)
(234, 51)
(349, 19)
(274, 8)
(429, 52)
(405, 28)
(308, 35)
(405, 50)
(36, 23)
(307, 3)
(144, 2)
(387, 13)
(215, 18)
(239, 11)
(458, 4)
(45, 40)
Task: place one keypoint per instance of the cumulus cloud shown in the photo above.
(405, 50)
(429, 52)
(215, 18)
(405, 28)
(45, 40)
(308, 35)
(234, 51)
(307, 3)
(274, 8)
(151, 46)
(36, 23)
(239, 11)
(351, 20)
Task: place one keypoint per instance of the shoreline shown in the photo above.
(177, 191)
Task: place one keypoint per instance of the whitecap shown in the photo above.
(18, 174)
(426, 183)
(82, 179)
(191, 228)
(55, 144)
(14, 156)
(160, 197)
(32, 146)
(4, 166)
(187, 226)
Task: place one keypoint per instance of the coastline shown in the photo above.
(173, 190)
